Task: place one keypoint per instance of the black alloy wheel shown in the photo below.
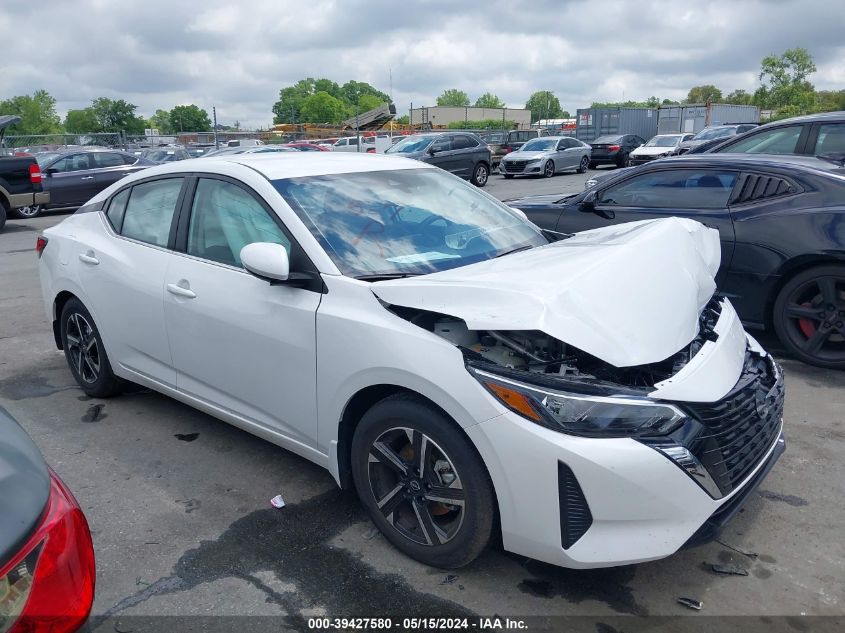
(422, 482)
(85, 353)
(809, 316)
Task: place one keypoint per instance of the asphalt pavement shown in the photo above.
(179, 506)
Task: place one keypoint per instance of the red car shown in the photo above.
(46, 557)
(308, 147)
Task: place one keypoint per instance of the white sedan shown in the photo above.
(425, 343)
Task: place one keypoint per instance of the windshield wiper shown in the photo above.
(514, 250)
(837, 158)
(385, 276)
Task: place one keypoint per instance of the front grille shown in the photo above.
(740, 429)
(515, 167)
(575, 515)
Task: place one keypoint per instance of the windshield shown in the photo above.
(410, 145)
(160, 156)
(539, 145)
(670, 140)
(716, 132)
(404, 222)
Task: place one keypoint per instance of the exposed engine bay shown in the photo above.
(536, 352)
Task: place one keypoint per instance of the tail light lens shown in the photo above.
(40, 244)
(371, 150)
(506, 149)
(48, 587)
(35, 174)
(614, 148)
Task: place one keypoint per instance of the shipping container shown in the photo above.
(695, 117)
(594, 122)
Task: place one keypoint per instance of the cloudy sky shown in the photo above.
(238, 54)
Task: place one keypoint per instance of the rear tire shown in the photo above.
(582, 166)
(28, 212)
(804, 321)
(408, 499)
(480, 175)
(85, 353)
(2, 216)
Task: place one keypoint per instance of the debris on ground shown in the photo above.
(449, 579)
(370, 534)
(729, 570)
(277, 502)
(737, 550)
(690, 603)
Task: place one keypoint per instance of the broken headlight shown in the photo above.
(578, 414)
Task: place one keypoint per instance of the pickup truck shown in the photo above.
(20, 178)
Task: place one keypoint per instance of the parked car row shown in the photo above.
(779, 215)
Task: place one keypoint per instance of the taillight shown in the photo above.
(49, 585)
(40, 244)
(35, 174)
(371, 150)
(614, 148)
(506, 149)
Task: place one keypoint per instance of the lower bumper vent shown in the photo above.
(575, 516)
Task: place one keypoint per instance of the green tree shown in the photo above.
(829, 100)
(352, 91)
(189, 118)
(80, 121)
(739, 97)
(453, 97)
(669, 102)
(161, 122)
(784, 82)
(37, 112)
(116, 115)
(544, 105)
(703, 94)
(489, 100)
(402, 120)
(321, 107)
(565, 115)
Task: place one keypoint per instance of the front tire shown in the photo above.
(2, 216)
(422, 482)
(548, 169)
(480, 175)
(85, 353)
(28, 212)
(593, 165)
(809, 316)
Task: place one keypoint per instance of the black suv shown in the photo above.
(462, 153)
(814, 134)
(711, 136)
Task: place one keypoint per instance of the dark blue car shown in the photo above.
(781, 220)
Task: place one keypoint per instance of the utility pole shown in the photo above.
(216, 142)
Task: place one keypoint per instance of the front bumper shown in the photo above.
(520, 168)
(585, 502)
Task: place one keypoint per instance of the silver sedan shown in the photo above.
(546, 156)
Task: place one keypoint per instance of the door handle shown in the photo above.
(89, 258)
(87, 178)
(181, 291)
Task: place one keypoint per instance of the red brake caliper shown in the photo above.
(808, 327)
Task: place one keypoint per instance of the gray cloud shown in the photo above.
(238, 55)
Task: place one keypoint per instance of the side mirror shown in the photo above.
(589, 201)
(51, 170)
(520, 213)
(266, 261)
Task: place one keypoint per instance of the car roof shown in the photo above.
(809, 118)
(742, 161)
(276, 165)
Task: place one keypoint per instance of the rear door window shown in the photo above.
(149, 211)
(680, 188)
(781, 140)
(74, 162)
(108, 159)
(117, 207)
(463, 142)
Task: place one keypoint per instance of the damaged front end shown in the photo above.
(720, 420)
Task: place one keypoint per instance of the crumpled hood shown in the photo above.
(628, 294)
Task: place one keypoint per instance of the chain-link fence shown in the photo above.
(46, 142)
